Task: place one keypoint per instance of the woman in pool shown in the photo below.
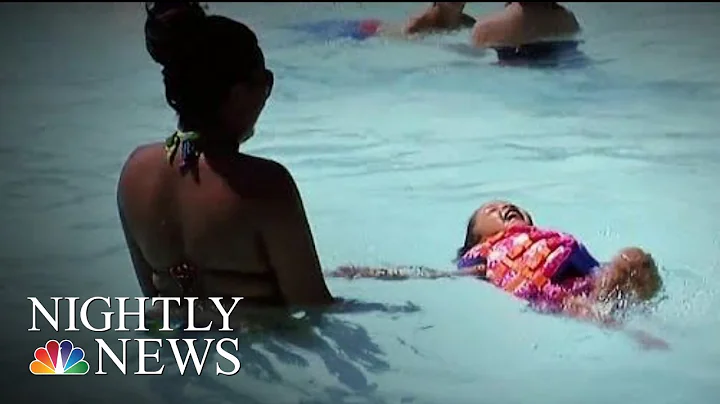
(200, 218)
(438, 17)
(551, 270)
(526, 32)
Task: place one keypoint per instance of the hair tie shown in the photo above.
(188, 143)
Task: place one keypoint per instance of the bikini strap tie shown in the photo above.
(189, 145)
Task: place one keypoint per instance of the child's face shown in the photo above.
(493, 217)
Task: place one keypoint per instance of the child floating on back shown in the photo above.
(551, 270)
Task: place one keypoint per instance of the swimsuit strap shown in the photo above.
(185, 276)
(189, 145)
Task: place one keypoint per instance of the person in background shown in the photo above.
(528, 32)
(439, 17)
(200, 218)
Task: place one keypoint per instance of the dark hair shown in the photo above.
(470, 239)
(202, 56)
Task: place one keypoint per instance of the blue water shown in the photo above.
(393, 145)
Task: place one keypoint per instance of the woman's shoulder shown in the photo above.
(497, 29)
(245, 174)
(133, 179)
(143, 154)
(268, 165)
(140, 158)
(154, 154)
(268, 171)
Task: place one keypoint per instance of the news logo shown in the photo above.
(59, 359)
(66, 359)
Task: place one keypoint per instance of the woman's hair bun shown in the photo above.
(173, 30)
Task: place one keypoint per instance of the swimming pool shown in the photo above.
(393, 145)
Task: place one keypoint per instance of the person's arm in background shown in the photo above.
(289, 244)
(467, 21)
(489, 32)
(432, 20)
(499, 28)
(418, 25)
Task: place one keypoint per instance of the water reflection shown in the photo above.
(275, 339)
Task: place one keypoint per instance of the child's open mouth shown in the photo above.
(512, 213)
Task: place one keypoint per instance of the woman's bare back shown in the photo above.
(518, 25)
(238, 219)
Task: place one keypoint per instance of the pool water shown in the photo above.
(393, 145)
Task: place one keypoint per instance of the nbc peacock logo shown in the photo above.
(59, 359)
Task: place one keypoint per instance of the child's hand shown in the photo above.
(582, 308)
(345, 271)
(631, 272)
(479, 271)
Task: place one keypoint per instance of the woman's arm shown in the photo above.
(289, 244)
(143, 270)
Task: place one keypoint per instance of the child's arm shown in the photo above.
(479, 271)
(583, 309)
(400, 272)
(386, 273)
